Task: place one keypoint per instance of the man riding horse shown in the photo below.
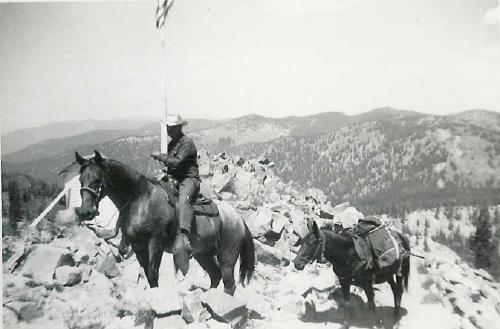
(181, 163)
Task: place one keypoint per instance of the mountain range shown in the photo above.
(384, 154)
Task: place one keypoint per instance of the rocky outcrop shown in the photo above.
(78, 280)
(42, 261)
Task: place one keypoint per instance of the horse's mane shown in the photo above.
(109, 163)
(344, 235)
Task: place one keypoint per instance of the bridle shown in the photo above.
(97, 194)
(319, 253)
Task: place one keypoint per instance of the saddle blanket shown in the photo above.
(202, 206)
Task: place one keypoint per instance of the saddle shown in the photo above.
(202, 206)
(377, 245)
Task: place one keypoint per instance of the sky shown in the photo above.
(227, 58)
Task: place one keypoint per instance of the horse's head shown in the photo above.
(311, 247)
(93, 186)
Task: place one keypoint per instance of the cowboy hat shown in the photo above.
(175, 120)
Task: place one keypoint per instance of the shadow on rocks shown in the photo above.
(361, 316)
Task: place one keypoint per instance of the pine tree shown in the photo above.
(481, 242)
(14, 205)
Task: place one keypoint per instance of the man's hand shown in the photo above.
(155, 155)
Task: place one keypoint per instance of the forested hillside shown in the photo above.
(393, 165)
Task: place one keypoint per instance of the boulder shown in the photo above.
(300, 228)
(280, 206)
(279, 222)
(340, 207)
(81, 240)
(204, 164)
(464, 307)
(42, 261)
(81, 257)
(296, 215)
(326, 211)
(99, 282)
(483, 274)
(316, 194)
(244, 183)
(68, 275)
(207, 190)
(224, 307)
(259, 307)
(10, 318)
(259, 223)
(65, 218)
(348, 217)
(169, 322)
(107, 266)
(192, 308)
(292, 304)
(25, 311)
(454, 277)
(267, 254)
(223, 183)
(283, 247)
(239, 161)
(127, 322)
(197, 325)
(86, 271)
(214, 324)
(165, 301)
(15, 251)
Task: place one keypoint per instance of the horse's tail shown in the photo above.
(247, 259)
(405, 266)
(406, 271)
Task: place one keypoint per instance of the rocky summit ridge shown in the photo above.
(62, 275)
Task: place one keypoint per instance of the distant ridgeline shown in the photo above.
(393, 166)
(383, 161)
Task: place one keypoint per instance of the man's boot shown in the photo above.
(182, 252)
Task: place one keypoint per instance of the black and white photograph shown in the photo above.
(250, 164)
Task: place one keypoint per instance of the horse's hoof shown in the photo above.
(345, 325)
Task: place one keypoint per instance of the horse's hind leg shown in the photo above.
(228, 279)
(394, 289)
(227, 260)
(397, 290)
(346, 295)
(207, 262)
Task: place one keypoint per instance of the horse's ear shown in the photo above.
(315, 228)
(98, 157)
(81, 160)
(309, 224)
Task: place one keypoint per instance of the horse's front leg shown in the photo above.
(140, 249)
(155, 251)
(346, 295)
(370, 295)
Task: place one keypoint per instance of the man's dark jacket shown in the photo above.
(181, 159)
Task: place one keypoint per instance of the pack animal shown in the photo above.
(149, 223)
(338, 248)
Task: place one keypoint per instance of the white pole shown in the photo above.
(163, 42)
(163, 137)
(49, 208)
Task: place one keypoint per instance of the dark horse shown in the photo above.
(148, 222)
(337, 247)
